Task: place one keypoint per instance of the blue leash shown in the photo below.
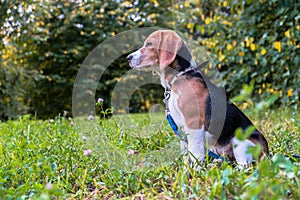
(296, 156)
(179, 135)
(174, 126)
(210, 153)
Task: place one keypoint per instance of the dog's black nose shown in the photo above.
(129, 57)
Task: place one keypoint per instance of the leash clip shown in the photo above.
(167, 95)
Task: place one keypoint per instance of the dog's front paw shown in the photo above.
(196, 161)
(196, 146)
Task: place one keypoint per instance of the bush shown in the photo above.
(253, 41)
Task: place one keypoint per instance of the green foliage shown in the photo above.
(46, 160)
(241, 134)
(252, 41)
(51, 40)
(44, 43)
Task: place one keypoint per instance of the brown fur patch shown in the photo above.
(192, 97)
(262, 143)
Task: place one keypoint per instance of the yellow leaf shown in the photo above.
(290, 92)
(190, 25)
(172, 23)
(242, 44)
(151, 16)
(186, 4)
(287, 34)
(147, 104)
(241, 53)
(245, 105)
(207, 20)
(251, 39)
(6, 99)
(247, 43)
(125, 3)
(277, 46)
(112, 12)
(225, 3)
(252, 47)
(263, 51)
(66, 4)
(101, 15)
(225, 22)
(155, 2)
(229, 47)
(259, 91)
(234, 43)
(221, 58)
(202, 31)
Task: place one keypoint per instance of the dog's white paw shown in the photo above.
(240, 151)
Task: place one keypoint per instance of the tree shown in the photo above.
(13, 77)
(55, 37)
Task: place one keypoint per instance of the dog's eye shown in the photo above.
(149, 44)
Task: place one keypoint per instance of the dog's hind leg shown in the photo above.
(240, 151)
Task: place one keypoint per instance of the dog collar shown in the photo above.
(203, 64)
(180, 74)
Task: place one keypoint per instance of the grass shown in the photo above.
(137, 157)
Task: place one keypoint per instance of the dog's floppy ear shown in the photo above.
(169, 44)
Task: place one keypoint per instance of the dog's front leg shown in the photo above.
(196, 146)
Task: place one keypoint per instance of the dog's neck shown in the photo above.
(182, 62)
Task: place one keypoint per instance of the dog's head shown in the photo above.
(159, 49)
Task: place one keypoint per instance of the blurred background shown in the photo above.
(43, 43)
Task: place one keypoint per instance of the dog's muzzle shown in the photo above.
(134, 59)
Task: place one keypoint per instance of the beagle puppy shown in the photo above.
(204, 114)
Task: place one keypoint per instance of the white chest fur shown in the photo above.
(175, 110)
